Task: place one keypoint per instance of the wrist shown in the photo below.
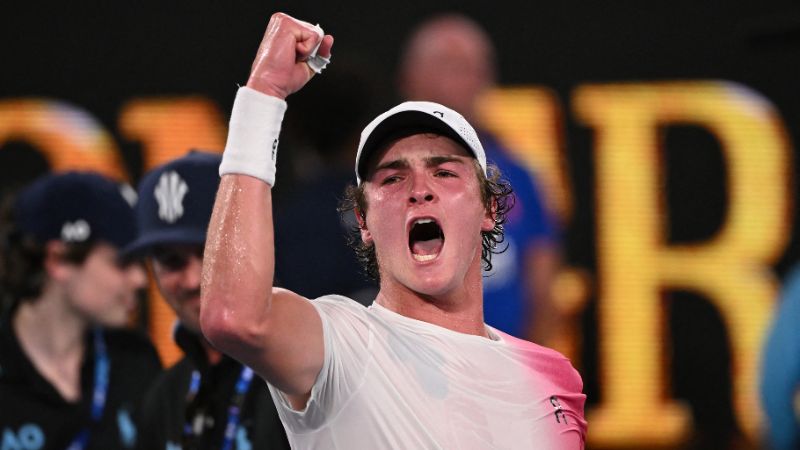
(266, 88)
(255, 126)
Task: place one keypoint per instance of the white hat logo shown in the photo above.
(77, 231)
(169, 193)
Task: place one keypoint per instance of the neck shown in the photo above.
(459, 310)
(52, 336)
(49, 327)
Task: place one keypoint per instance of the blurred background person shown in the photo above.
(323, 127)
(450, 59)
(71, 375)
(206, 400)
(780, 369)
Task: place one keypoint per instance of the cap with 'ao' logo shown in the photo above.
(410, 118)
(175, 202)
(76, 207)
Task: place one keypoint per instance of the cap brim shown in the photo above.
(179, 236)
(405, 123)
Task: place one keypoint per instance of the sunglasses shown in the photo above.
(177, 257)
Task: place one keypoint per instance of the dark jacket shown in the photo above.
(33, 414)
(168, 407)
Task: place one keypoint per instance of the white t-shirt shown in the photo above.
(391, 382)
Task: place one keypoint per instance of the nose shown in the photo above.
(191, 273)
(137, 276)
(420, 191)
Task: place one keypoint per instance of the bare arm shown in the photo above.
(276, 332)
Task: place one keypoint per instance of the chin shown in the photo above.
(431, 284)
(113, 322)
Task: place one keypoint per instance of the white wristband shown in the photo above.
(252, 146)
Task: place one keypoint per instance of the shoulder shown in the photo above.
(343, 318)
(14, 363)
(127, 339)
(162, 410)
(7, 340)
(346, 325)
(170, 385)
(339, 307)
(176, 376)
(130, 343)
(554, 367)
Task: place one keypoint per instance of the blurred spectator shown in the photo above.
(206, 393)
(780, 371)
(450, 60)
(70, 375)
(326, 118)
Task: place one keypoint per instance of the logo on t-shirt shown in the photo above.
(242, 441)
(127, 430)
(28, 437)
(559, 412)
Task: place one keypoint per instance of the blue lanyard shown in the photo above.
(102, 367)
(234, 409)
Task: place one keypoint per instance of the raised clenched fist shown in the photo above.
(280, 68)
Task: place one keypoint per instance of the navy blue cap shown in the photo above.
(76, 207)
(175, 202)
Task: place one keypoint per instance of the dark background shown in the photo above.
(98, 56)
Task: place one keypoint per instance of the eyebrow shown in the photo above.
(431, 161)
(434, 161)
(395, 164)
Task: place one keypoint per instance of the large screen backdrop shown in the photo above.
(662, 137)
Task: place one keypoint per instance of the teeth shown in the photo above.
(424, 257)
(421, 221)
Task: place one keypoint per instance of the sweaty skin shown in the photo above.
(430, 302)
(276, 332)
(279, 69)
(428, 176)
(279, 333)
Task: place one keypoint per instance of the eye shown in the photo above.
(441, 173)
(175, 259)
(171, 261)
(390, 179)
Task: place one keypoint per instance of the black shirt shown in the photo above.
(34, 415)
(166, 410)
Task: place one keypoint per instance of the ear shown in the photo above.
(366, 236)
(488, 222)
(54, 264)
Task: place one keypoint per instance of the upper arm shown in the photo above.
(293, 352)
(275, 332)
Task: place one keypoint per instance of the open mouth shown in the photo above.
(425, 239)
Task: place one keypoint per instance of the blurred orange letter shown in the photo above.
(732, 269)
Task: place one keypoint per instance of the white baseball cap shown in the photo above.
(417, 117)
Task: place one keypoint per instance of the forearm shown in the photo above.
(238, 264)
(277, 333)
